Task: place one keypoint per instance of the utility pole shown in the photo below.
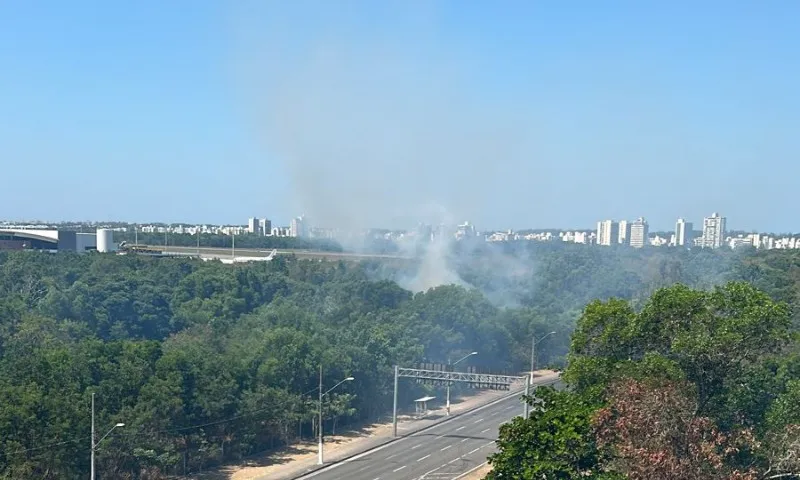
(527, 392)
(319, 460)
(95, 444)
(322, 394)
(448, 378)
(394, 410)
(92, 467)
(449, 370)
(533, 350)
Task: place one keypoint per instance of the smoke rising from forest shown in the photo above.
(371, 135)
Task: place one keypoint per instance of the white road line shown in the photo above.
(454, 460)
(423, 458)
(462, 441)
(473, 451)
(392, 456)
(417, 434)
(445, 448)
(485, 430)
(459, 428)
(470, 471)
(416, 446)
(478, 420)
(398, 469)
(495, 413)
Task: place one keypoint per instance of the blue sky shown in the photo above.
(508, 114)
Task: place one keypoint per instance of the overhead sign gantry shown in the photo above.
(479, 379)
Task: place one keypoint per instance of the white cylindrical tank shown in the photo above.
(105, 240)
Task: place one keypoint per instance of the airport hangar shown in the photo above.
(56, 240)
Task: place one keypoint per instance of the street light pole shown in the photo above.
(321, 394)
(92, 444)
(95, 444)
(533, 350)
(319, 422)
(448, 380)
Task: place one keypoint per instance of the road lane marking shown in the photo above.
(470, 471)
(392, 456)
(423, 458)
(478, 420)
(454, 460)
(459, 428)
(462, 441)
(485, 430)
(398, 469)
(445, 448)
(418, 434)
(416, 446)
(473, 451)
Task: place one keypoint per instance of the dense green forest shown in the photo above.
(207, 363)
(691, 384)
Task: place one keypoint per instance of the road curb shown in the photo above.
(317, 468)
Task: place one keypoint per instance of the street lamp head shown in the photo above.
(474, 353)
(120, 425)
(349, 379)
(553, 332)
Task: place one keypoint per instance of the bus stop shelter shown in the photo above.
(421, 405)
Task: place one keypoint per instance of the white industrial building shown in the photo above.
(56, 240)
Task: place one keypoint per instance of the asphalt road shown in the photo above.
(445, 451)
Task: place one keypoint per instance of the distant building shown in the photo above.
(713, 231)
(607, 232)
(639, 233)
(466, 230)
(683, 233)
(253, 225)
(266, 226)
(624, 232)
(298, 227)
(56, 240)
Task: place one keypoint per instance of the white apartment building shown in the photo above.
(683, 233)
(639, 233)
(298, 227)
(253, 225)
(624, 232)
(607, 232)
(713, 231)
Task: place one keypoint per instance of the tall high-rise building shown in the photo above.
(298, 227)
(266, 226)
(713, 231)
(624, 232)
(684, 235)
(639, 232)
(253, 225)
(607, 232)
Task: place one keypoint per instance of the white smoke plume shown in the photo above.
(373, 133)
